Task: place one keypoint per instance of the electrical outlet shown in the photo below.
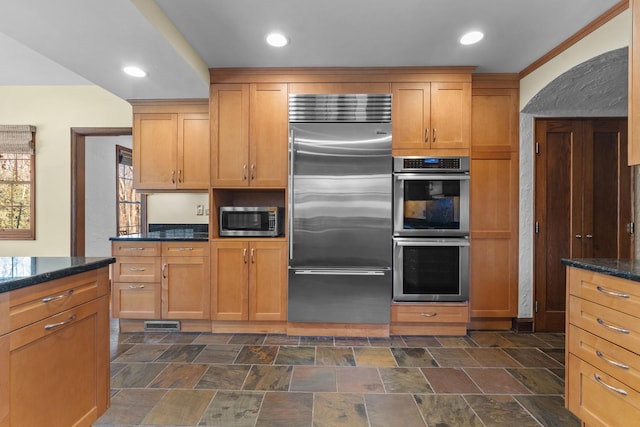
(206, 211)
(200, 210)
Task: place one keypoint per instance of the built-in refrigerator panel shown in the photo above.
(340, 189)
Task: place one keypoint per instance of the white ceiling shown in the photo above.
(66, 42)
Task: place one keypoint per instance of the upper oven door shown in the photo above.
(430, 204)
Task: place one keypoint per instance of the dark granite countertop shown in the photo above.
(168, 235)
(624, 268)
(20, 272)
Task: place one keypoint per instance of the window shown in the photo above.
(17, 182)
(130, 203)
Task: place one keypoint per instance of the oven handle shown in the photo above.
(429, 176)
(449, 241)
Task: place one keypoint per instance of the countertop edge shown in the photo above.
(23, 282)
(623, 268)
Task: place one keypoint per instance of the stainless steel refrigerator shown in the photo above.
(340, 208)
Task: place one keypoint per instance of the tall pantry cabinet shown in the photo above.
(494, 201)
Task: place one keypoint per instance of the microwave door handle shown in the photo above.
(291, 192)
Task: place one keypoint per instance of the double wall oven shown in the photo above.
(431, 228)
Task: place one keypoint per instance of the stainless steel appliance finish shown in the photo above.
(251, 221)
(431, 228)
(431, 269)
(431, 196)
(340, 210)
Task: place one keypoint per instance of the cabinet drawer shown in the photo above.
(430, 313)
(606, 357)
(599, 399)
(136, 300)
(200, 249)
(135, 249)
(619, 328)
(136, 269)
(613, 292)
(28, 305)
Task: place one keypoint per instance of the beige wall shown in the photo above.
(613, 35)
(54, 110)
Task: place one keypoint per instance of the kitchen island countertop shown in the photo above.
(20, 272)
(624, 268)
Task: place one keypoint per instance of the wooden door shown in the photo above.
(582, 185)
(185, 287)
(155, 151)
(450, 115)
(411, 115)
(268, 148)
(193, 151)
(229, 280)
(229, 112)
(268, 280)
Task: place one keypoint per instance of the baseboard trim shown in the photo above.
(523, 325)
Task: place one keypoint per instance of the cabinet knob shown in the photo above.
(578, 236)
(589, 236)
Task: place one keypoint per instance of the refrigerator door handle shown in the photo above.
(341, 272)
(290, 217)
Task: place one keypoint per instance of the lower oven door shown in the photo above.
(430, 269)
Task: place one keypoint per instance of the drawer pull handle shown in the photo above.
(164, 271)
(612, 293)
(136, 286)
(613, 328)
(610, 387)
(64, 322)
(136, 269)
(428, 314)
(135, 249)
(57, 297)
(612, 362)
(184, 249)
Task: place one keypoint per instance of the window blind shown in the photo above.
(17, 139)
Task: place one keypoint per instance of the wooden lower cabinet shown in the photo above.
(249, 280)
(55, 371)
(429, 318)
(602, 385)
(171, 282)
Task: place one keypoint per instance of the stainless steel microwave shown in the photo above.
(251, 221)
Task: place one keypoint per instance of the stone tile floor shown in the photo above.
(255, 380)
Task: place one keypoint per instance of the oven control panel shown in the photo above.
(426, 164)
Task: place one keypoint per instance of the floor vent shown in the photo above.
(162, 326)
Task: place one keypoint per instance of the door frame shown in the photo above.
(78, 185)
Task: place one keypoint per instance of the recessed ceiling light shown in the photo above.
(277, 40)
(134, 71)
(471, 37)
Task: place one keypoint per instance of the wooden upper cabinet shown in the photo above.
(170, 146)
(193, 151)
(154, 150)
(633, 149)
(249, 135)
(431, 116)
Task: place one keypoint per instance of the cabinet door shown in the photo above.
(193, 151)
(268, 135)
(411, 112)
(155, 151)
(230, 135)
(55, 372)
(185, 287)
(268, 280)
(229, 276)
(450, 115)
